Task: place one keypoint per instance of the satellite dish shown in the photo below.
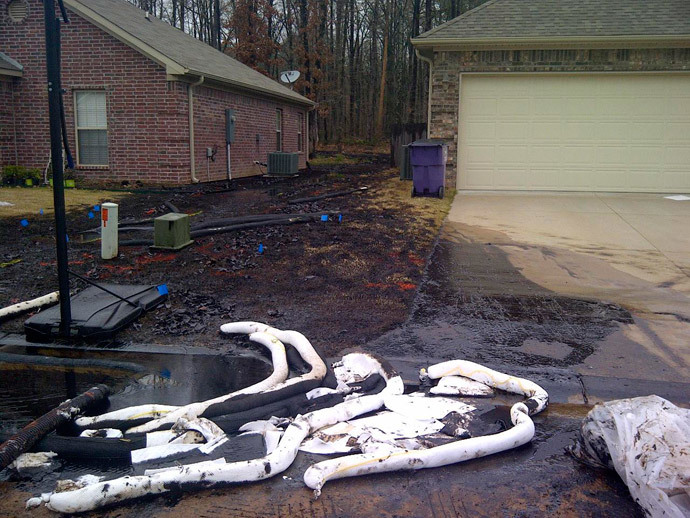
(289, 76)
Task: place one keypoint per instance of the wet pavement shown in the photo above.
(581, 333)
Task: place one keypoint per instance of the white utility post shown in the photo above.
(109, 230)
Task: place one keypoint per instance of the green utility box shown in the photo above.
(171, 232)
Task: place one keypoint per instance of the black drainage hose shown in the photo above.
(23, 440)
(224, 229)
(327, 195)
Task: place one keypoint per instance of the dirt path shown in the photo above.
(340, 282)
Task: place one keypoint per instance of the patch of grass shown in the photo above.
(396, 192)
(338, 159)
(31, 201)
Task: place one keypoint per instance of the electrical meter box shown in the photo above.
(171, 232)
(229, 126)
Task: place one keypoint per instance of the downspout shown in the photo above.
(190, 96)
(428, 108)
(14, 124)
(307, 113)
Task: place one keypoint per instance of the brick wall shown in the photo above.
(7, 155)
(449, 65)
(148, 130)
(147, 133)
(255, 131)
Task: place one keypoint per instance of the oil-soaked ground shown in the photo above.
(344, 287)
(476, 305)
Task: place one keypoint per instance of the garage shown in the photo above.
(575, 132)
(556, 95)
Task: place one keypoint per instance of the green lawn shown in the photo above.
(31, 200)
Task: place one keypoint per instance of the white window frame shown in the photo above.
(77, 127)
(279, 129)
(300, 132)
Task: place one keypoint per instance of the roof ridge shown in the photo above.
(463, 16)
(180, 53)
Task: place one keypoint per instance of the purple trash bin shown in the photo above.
(428, 160)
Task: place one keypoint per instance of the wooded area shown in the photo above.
(355, 56)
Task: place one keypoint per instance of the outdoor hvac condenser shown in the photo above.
(283, 163)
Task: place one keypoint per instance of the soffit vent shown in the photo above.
(17, 10)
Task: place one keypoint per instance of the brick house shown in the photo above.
(592, 95)
(143, 100)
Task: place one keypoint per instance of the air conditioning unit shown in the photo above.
(280, 163)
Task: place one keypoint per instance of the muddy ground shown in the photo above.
(341, 283)
(387, 278)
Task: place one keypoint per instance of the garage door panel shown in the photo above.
(611, 131)
(484, 130)
(545, 131)
(507, 156)
(480, 106)
(544, 154)
(513, 106)
(511, 131)
(678, 177)
(641, 132)
(579, 156)
(677, 155)
(676, 131)
(644, 155)
(481, 156)
(619, 132)
(580, 131)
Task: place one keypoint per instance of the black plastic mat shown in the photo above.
(96, 314)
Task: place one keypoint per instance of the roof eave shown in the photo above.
(237, 85)
(564, 42)
(172, 68)
(11, 73)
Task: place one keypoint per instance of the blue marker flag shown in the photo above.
(41, 212)
(163, 289)
(261, 248)
(90, 214)
(340, 218)
(324, 217)
(96, 208)
(24, 222)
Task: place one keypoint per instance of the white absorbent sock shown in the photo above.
(538, 398)
(206, 474)
(458, 451)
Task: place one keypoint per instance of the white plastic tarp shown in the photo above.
(647, 441)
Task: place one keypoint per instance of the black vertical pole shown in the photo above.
(52, 29)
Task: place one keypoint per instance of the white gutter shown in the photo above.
(557, 41)
(431, 73)
(190, 96)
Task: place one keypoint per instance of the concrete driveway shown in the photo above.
(631, 250)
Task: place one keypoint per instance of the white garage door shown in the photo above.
(623, 132)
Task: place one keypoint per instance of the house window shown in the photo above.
(300, 120)
(279, 130)
(92, 127)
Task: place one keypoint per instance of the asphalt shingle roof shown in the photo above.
(508, 19)
(185, 50)
(9, 64)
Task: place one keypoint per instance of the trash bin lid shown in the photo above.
(428, 142)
